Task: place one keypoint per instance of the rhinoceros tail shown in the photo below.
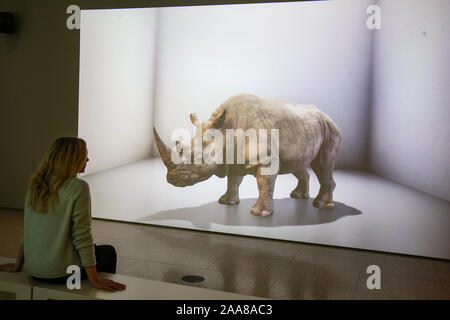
(333, 137)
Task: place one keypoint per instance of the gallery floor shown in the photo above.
(267, 268)
(371, 213)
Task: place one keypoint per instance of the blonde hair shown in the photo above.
(63, 160)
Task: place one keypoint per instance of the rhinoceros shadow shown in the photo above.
(287, 212)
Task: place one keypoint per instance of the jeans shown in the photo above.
(106, 258)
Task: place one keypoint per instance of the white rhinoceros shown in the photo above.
(307, 137)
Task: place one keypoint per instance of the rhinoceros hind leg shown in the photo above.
(264, 205)
(231, 197)
(324, 199)
(322, 166)
(226, 199)
(302, 189)
(327, 204)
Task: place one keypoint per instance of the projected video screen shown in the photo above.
(317, 121)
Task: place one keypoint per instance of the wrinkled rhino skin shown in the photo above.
(307, 137)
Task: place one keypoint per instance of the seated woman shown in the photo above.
(57, 221)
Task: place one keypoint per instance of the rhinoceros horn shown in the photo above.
(163, 151)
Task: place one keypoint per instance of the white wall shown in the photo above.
(410, 140)
(313, 52)
(117, 50)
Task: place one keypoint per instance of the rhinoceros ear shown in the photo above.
(179, 147)
(194, 119)
(217, 118)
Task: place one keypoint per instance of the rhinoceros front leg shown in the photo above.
(264, 205)
(302, 189)
(232, 195)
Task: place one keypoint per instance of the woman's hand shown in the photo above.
(108, 285)
(99, 283)
(10, 267)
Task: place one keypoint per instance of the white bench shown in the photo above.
(17, 283)
(26, 288)
(137, 289)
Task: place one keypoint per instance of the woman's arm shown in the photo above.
(20, 259)
(83, 241)
(15, 267)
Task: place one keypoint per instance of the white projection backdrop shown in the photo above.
(145, 67)
(385, 89)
